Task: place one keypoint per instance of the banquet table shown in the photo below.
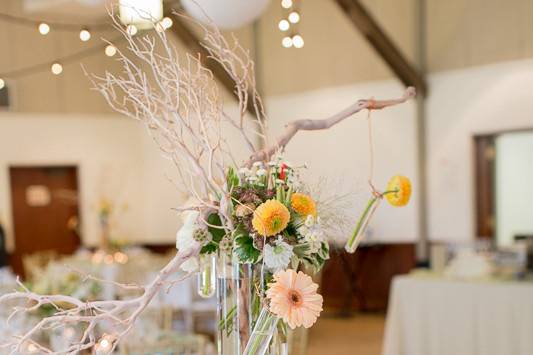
(438, 316)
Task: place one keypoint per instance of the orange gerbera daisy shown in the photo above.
(401, 187)
(303, 204)
(270, 218)
(293, 298)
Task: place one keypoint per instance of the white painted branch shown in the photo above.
(312, 125)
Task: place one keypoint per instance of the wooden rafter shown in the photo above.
(386, 48)
(184, 33)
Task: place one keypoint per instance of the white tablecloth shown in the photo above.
(431, 316)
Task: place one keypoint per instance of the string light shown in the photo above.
(284, 25)
(131, 30)
(286, 42)
(44, 28)
(110, 50)
(286, 4)
(2, 84)
(85, 35)
(57, 68)
(166, 23)
(297, 41)
(294, 17)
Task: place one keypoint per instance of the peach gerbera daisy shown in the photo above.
(400, 191)
(293, 298)
(270, 218)
(303, 204)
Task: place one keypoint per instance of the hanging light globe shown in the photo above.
(142, 14)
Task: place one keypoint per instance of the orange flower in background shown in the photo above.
(293, 298)
(400, 191)
(303, 204)
(270, 218)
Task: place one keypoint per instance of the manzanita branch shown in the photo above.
(312, 125)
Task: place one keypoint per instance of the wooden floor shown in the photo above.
(359, 335)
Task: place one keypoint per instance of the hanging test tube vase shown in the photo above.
(207, 275)
(362, 224)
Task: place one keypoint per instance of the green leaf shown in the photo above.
(217, 233)
(209, 248)
(245, 250)
(232, 179)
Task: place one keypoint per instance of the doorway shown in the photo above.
(45, 211)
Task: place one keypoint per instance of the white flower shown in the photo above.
(277, 257)
(185, 239)
(261, 172)
(244, 171)
(310, 221)
(258, 164)
(312, 233)
(190, 265)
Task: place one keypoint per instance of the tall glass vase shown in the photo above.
(239, 291)
(228, 317)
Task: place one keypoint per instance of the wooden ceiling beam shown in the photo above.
(386, 48)
(185, 34)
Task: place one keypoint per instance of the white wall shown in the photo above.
(461, 104)
(340, 154)
(514, 187)
(115, 161)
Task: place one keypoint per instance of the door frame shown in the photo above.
(485, 185)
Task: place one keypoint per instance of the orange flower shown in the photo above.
(270, 218)
(303, 204)
(400, 188)
(293, 298)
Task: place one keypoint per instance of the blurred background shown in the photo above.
(448, 274)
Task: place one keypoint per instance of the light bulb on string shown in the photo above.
(166, 22)
(44, 28)
(85, 35)
(2, 84)
(297, 41)
(286, 42)
(286, 4)
(57, 68)
(131, 30)
(110, 50)
(294, 17)
(284, 25)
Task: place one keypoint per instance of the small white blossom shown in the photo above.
(261, 172)
(312, 233)
(278, 257)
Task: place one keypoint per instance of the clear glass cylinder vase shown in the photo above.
(228, 315)
(264, 329)
(207, 275)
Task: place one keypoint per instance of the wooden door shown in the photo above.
(45, 211)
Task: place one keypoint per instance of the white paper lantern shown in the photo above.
(141, 13)
(226, 14)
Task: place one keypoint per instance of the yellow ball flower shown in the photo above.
(270, 218)
(303, 204)
(402, 191)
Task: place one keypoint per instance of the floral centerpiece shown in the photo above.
(253, 234)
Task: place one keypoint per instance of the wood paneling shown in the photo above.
(361, 281)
